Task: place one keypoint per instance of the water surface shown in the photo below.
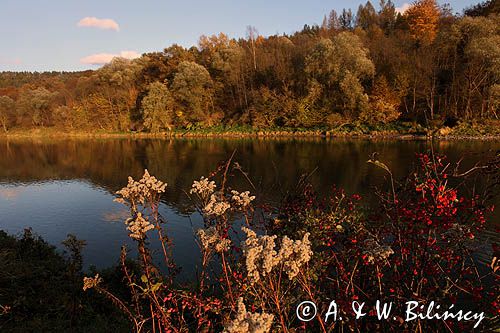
(61, 187)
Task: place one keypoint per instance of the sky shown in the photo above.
(71, 35)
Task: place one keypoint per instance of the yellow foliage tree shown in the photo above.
(423, 18)
(384, 103)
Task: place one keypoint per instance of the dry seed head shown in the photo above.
(203, 187)
(91, 282)
(247, 322)
(142, 190)
(215, 207)
(375, 252)
(243, 199)
(211, 240)
(138, 226)
(261, 256)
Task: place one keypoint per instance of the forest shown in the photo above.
(373, 65)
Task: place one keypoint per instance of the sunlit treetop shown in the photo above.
(423, 17)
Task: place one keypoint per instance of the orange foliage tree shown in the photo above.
(423, 17)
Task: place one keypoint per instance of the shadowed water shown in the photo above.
(59, 187)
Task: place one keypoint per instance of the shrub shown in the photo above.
(418, 245)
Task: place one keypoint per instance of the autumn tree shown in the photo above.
(346, 19)
(333, 21)
(253, 35)
(158, 108)
(484, 8)
(209, 45)
(96, 111)
(116, 84)
(273, 108)
(439, 65)
(309, 113)
(423, 19)
(387, 16)
(384, 103)
(64, 117)
(366, 16)
(228, 63)
(172, 56)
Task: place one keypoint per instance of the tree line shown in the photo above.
(373, 66)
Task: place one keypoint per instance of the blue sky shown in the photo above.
(43, 35)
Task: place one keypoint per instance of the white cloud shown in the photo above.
(104, 58)
(403, 8)
(94, 22)
(129, 54)
(10, 61)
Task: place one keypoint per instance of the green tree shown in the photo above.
(116, 82)
(7, 112)
(35, 105)
(475, 42)
(192, 90)
(227, 62)
(158, 108)
(354, 99)
(330, 60)
(341, 65)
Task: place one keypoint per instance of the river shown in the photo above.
(66, 186)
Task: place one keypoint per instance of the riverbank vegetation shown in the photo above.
(485, 129)
(354, 73)
(40, 289)
(259, 261)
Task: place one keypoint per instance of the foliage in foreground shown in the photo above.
(40, 290)
(418, 245)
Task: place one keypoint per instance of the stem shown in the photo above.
(227, 279)
(277, 303)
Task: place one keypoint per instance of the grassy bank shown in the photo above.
(399, 130)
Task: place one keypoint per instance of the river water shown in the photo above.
(60, 187)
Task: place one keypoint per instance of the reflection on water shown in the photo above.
(66, 186)
(10, 193)
(116, 216)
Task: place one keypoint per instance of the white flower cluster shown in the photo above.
(247, 322)
(217, 203)
(242, 199)
(89, 282)
(375, 252)
(295, 253)
(211, 240)
(261, 256)
(216, 207)
(142, 190)
(203, 187)
(138, 226)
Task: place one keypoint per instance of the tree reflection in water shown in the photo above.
(273, 165)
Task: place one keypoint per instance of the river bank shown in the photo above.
(404, 131)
